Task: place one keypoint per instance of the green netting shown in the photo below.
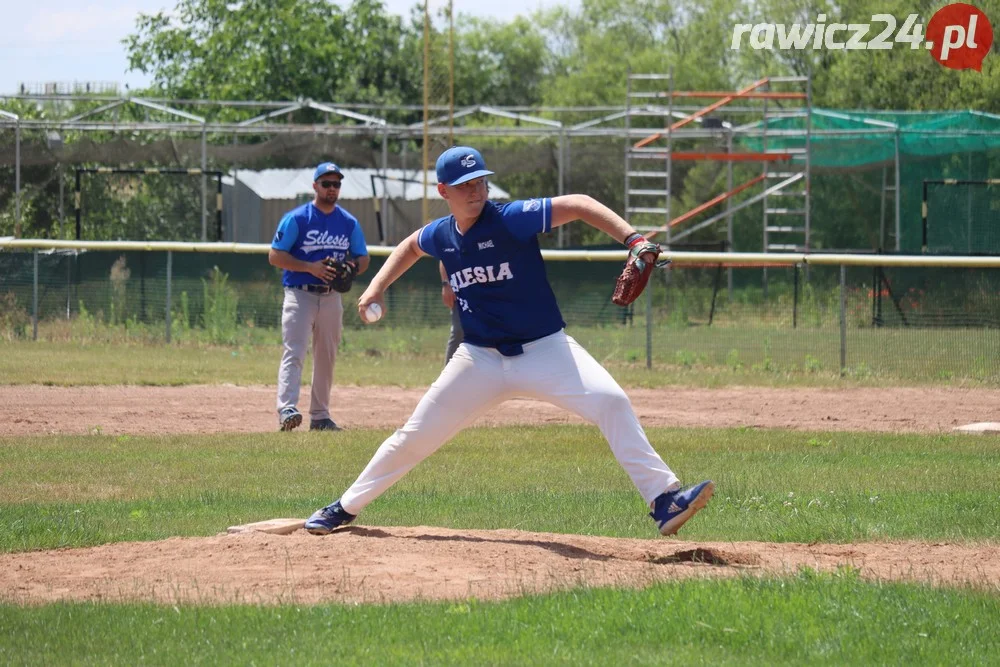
(862, 145)
(865, 139)
(963, 217)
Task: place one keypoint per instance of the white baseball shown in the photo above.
(373, 313)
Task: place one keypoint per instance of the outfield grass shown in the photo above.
(772, 485)
(64, 363)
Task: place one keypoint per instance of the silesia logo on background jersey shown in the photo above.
(322, 240)
(496, 270)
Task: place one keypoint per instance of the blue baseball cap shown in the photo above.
(460, 164)
(326, 168)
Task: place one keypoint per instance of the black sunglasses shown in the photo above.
(330, 184)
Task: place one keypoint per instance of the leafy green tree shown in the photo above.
(278, 50)
(899, 78)
(909, 79)
(501, 64)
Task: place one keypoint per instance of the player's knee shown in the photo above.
(614, 400)
(291, 361)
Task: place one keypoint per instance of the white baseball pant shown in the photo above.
(555, 369)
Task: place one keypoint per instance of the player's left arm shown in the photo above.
(568, 208)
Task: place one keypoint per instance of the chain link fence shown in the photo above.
(910, 323)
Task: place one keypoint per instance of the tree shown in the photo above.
(278, 50)
(909, 80)
(502, 64)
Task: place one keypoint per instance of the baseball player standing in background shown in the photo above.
(310, 243)
(455, 335)
(514, 344)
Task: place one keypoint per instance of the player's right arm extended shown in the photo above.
(399, 262)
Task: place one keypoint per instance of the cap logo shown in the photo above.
(468, 161)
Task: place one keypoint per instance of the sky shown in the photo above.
(67, 43)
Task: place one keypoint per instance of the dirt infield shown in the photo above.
(367, 564)
(41, 410)
(381, 564)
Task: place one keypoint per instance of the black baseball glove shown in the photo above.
(343, 274)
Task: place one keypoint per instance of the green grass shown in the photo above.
(70, 491)
(807, 619)
(771, 485)
(414, 359)
(68, 364)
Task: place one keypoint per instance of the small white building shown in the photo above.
(254, 201)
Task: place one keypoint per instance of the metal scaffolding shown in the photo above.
(659, 125)
(649, 206)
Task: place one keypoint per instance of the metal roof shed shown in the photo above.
(254, 201)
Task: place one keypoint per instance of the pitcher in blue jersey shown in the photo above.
(514, 343)
(306, 236)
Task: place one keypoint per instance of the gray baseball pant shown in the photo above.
(321, 315)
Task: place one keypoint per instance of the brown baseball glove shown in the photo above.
(637, 270)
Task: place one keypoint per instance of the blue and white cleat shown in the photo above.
(289, 419)
(672, 509)
(324, 521)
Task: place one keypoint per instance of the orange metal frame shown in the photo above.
(730, 265)
(701, 112)
(709, 204)
(726, 157)
(725, 98)
(731, 157)
(749, 96)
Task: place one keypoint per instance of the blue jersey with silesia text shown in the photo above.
(496, 270)
(308, 234)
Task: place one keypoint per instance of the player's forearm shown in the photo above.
(286, 261)
(399, 262)
(583, 207)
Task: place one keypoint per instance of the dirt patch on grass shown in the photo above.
(41, 410)
(369, 564)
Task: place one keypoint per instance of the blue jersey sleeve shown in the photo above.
(426, 242)
(529, 217)
(286, 234)
(358, 246)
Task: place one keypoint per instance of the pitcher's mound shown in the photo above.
(368, 564)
